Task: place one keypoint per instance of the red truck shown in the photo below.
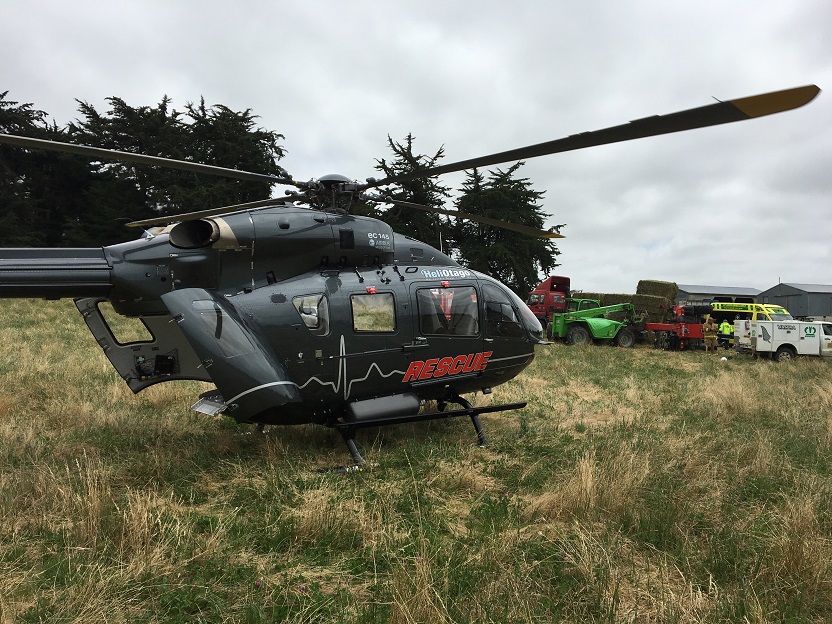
(549, 297)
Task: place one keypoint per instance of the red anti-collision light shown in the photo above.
(371, 290)
(446, 284)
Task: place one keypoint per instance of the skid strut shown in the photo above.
(348, 429)
(348, 433)
(475, 420)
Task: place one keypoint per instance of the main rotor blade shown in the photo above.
(506, 225)
(702, 117)
(140, 159)
(211, 212)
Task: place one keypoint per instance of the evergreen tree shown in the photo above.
(222, 137)
(210, 135)
(15, 186)
(150, 131)
(52, 199)
(37, 188)
(515, 259)
(425, 226)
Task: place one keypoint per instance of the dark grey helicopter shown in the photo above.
(300, 312)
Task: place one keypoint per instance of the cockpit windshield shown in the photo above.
(529, 320)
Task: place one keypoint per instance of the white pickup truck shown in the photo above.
(783, 340)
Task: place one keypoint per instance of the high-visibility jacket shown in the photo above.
(726, 328)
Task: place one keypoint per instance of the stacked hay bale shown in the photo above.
(589, 295)
(664, 292)
(668, 290)
(653, 297)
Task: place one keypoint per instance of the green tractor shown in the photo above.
(585, 320)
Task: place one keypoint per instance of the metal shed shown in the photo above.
(690, 293)
(802, 300)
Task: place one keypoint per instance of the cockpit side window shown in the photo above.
(500, 318)
(314, 312)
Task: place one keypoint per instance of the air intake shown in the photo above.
(194, 234)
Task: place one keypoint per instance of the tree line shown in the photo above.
(52, 199)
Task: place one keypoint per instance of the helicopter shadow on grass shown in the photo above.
(310, 447)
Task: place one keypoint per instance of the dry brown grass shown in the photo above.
(638, 486)
(591, 486)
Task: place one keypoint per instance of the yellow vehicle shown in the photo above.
(749, 312)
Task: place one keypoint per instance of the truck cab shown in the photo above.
(581, 305)
(549, 297)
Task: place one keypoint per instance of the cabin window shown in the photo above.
(314, 312)
(827, 329)
(532, 299)
(500, 317)
(449, 311)
(373, 312)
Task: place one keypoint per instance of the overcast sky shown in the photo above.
(746, 204)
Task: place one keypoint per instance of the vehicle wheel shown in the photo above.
(625, 338)
(577, 335)
(784, 354)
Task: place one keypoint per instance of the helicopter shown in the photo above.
(298, 311)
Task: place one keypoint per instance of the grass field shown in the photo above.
(638, 486)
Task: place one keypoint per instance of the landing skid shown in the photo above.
(348, 429)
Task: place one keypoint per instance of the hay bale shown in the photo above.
(589, 295)
(655, 306)
(608, 299)
(668, 290)
(614, 298)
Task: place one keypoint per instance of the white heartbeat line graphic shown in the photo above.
(342, 374)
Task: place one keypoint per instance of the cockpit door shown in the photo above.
(505, 334)
(448, 339)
